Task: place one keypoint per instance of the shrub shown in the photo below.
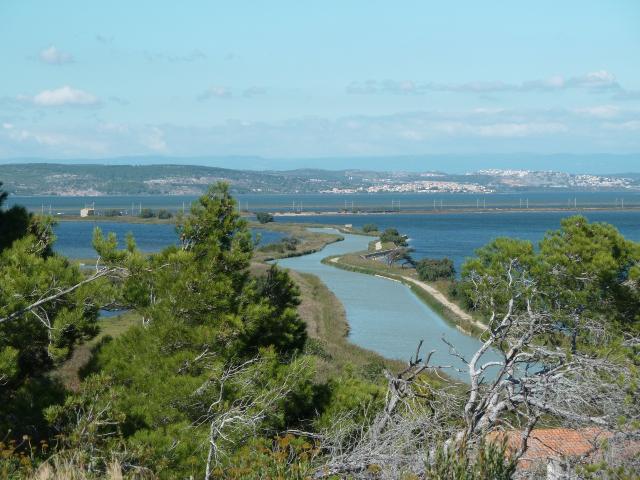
(290, 243)
(391, 235)
(164, 214)
(370, 227)
(147, 213)
(264, 217)
(431, 269)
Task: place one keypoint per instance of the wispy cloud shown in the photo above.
(63, 96)
(215, 91)
(254, 92)
(586, 129)
(54, 56)
(193, 56)
(154, 140)
(597, 81)
(119, 100)
(55, 141)
(106, 39)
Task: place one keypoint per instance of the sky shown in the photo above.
(309, 80)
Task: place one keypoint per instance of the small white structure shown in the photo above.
(88, 211)
(348, 225)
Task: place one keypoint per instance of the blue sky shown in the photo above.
(299, 80)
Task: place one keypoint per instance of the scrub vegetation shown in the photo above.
(225, 367)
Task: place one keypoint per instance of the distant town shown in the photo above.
(101, 180)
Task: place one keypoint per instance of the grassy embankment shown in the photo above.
(114, 219)
(356, 263)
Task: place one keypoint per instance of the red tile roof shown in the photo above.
(553, 443)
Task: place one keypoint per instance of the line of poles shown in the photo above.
(297, 206)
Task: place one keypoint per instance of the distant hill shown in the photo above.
(94, 179)
(600, 163)
(66, 179)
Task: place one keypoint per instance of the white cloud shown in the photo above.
(254, 91)
(65, 95)
(192, 56)
(58, 141)
(215, 92)
(410, 133)
(519, 129)
(630, 126)
(600, 80)
(54, 56)
(154, 140)
(600, 111)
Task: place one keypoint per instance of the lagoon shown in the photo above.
(457, 235)
(384, 315)
(73, 239)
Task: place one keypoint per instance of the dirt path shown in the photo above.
(440, 297)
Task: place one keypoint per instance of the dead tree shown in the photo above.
(229, 418)
(539, 373)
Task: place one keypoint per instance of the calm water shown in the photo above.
(74, 238)
(384, 315)
(331, 202)
(457, 235)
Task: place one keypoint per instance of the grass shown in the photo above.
(69, 371)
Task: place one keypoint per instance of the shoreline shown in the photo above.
(320, 214)
(434, 298)
(458, 210)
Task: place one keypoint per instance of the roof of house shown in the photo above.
(553, 443)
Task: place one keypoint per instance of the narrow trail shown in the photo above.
(440, 297)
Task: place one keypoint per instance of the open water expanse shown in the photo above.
(457, 235)
(74, 238)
